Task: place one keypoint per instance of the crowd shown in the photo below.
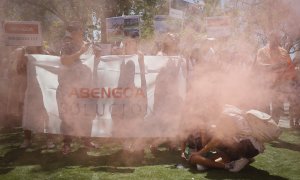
(229, 138)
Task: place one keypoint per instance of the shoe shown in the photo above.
(229, 165)
(179, 166)
(50, 145)
(66, 149)
(239, 164)
(26, 144)
(200, 167)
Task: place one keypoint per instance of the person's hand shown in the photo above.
(84, 48)
(97, 50)
(182, 155)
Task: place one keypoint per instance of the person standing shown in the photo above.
(74, 75)
(278, 72)
(21, 68)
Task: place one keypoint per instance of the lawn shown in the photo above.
(281, 160)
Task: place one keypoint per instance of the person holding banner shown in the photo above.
(128, 113)
(128, 116)
(21, 54)
(167, 99)
(74, 75)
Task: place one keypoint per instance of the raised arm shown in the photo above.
(142, 71)
(68, 59)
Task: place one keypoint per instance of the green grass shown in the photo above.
(281, 160)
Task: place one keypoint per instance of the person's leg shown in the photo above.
(50, 144)
(66, 149)
(246, 151)
(197, 159)
(27, 139)
(277, 107)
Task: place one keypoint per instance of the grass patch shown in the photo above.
(281, 160)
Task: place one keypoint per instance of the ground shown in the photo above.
(281, 160)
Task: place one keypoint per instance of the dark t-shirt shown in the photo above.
(70, 78)
(74, 72)
(69, 48)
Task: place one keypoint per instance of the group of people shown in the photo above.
(225, 136)
(227, 140)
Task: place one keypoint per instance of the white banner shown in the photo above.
(119, 96)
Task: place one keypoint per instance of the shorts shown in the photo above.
(244, 148)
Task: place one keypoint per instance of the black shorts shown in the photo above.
(238, 150)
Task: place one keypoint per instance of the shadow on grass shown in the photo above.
(249, 172)
(285, 145)
(4, 170)
(111, 159)
(116, 161)
(114, 169)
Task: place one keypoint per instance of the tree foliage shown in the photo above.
(55, 14)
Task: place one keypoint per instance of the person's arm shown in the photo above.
(183, 146)
(21, 61)
(97, 51)
(261, 61)
(209, 146)
(143, 77)
(70, 59)
(142, 71)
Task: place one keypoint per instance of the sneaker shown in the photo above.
(229, 165)
(179, 166)
(239, 164)
(26, 144)
(66, 149)
(200, 167)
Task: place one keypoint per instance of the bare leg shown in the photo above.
(66, 149)
(27, 139)
(197, 159)
(50, 144)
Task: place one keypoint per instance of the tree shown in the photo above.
(54, 14)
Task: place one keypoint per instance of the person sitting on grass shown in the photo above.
(74, 74)
(234, 141)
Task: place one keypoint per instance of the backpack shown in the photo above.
(263, 126)
(253, 123)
